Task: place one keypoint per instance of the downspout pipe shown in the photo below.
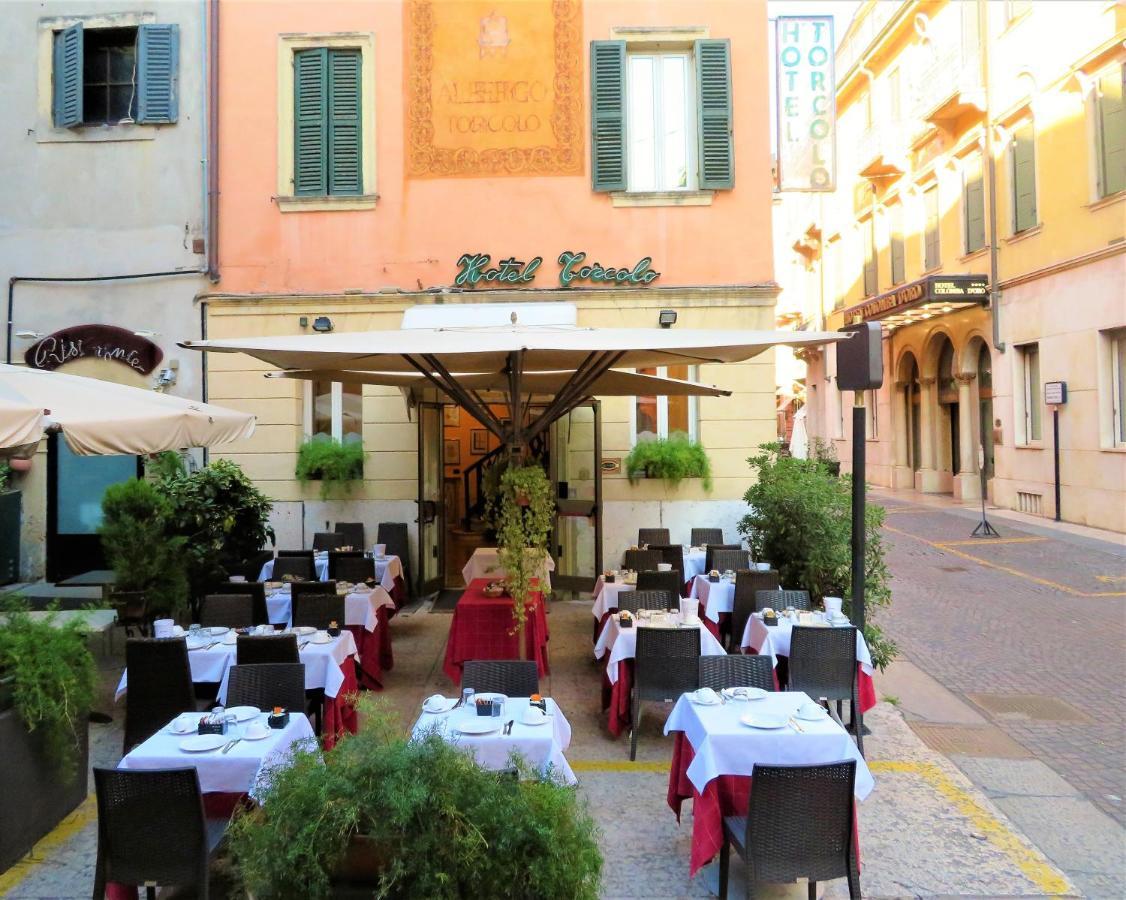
(991, 168)
(213, 141)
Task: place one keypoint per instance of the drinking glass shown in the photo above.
(193, 630)
(467, 696)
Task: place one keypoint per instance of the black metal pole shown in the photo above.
(859, 432)
(1056, 453)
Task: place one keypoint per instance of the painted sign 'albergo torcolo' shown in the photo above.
(474, 268)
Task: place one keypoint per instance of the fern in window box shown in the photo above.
(331, 463)
(672, 459)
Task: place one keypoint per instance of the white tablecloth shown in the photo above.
(541, 745)
(694, 559)
(717, 597)
(360, 606)
(725, 746)
(322, 664)
(235, 771)
(606, 595)
(483, 564)
(775, 640)
(320, 564)
(387, 570)
(621, 643)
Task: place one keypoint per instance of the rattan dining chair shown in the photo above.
(724, 558)
(353, 534)
(648, 599)
(652, 536)
(257, 592)
(251, 649)
(152, 830)
(718, 672)
(800, 824)
(748, 583)
(327, 540)
(303, 588)
(823, 664)
(702, 536)
(512, 677)
(782, 599)
(266, 685)
(641, 560)
(229, 610)
(673, 554)
(318, 610)
(660, 581)
(664, 667)
(295, 566)
(395, 536)
(159, 687)
(350, 565)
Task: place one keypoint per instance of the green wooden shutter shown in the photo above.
(345, 164)
(158, 61)
(608, 115)
(871, 275)
(931, 245)
(973, 201)
(897, 258)
(713, 113)
(67, 93)
(1112, 133)
(310, 122)
(1024, 177)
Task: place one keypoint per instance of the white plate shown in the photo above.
(189, 726)
(244, 713)
(200, 743)
(744, 693)
(764, 721)
(818, 716)
(304, 630)
(534, 720)
(327, 639)
(247, 736)
(479, 725)
(216, 630)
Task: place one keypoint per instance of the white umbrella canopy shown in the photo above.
(102, 418)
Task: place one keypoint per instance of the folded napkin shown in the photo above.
(436, 703)
(706, 695)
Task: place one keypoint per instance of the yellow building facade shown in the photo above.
(980, 217)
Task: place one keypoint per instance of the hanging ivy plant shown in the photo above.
(330, 462)
(527, 513)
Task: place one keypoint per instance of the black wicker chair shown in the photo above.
(394, 535)
(660, 581)
(304, 588)
(257, 591)
(252, 649)
(152, 830)
(231, 610)
(673, 554)
(350, 566)
(781, 599)
(641, 560)
(652, 536)
(296, 566)
(512, 677)
(353, 534)
(823, 664)
(748, 583)
(724, 558)
(327, 540)
(267, 685)
(718, 672)
(664, 668)
(160, 686)
(297, 554)
(647, 599)
(701, 536)
(318, 610)
(799, 824)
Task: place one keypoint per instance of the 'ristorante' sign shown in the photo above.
(474, 269)
(933, 288)
(97, 341)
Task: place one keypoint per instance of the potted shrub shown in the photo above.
(672, 459)
(332, 463)
(10, 513)
(411, 818)
(50, 678)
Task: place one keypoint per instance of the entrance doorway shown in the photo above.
(947, 389)
(985, 406)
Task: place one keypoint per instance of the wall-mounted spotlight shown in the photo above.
(667, 318)
(29, 335)
(322, 324)
(143, 333)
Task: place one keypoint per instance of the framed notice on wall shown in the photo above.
(479, 441)
(451, 451)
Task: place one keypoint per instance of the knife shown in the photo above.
(230, 744)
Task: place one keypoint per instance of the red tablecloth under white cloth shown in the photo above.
(715, 754)
(485, 563)
(482, 628)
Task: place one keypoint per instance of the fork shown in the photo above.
(796, 726)
(208, 647)
(303, 645)
(230, 744)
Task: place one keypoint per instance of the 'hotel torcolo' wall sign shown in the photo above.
(474, 270)
(94, 341)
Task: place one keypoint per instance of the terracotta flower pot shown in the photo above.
(523, 499)
(20, 465)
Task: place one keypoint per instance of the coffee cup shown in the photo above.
(664, 567)
(810, 709)
(533, 715)
(256, 730)
(380, 549)
(183, 724)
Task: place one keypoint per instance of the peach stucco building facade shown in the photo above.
(473, 129)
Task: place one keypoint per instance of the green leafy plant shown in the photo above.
(140, 547)
(330, 462)
(825, 453)
(524, 521)
(801, 520)
(5, 475)
(53, 679)
(672, 459)
(430, 820)
(223, 517)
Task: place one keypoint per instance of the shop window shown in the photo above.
(898, 259)
(115, 76)
(327, 152)
(931, 257)
(872, 416)
(1118, 386)
(973, 204)
(1022, 164)
(1028, 363)
(871, 261)
(1110, 131)
(335, 409)
(659, 416)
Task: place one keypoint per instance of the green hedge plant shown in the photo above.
(672, 459)
(331, 462)
(800, 520)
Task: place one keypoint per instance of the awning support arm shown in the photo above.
(593, 367)
(455, 389)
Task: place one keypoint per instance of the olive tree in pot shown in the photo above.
(47, 679)
(411, 818)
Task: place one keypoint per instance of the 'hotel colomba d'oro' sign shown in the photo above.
(474, 268)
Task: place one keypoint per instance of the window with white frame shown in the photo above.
(335, 409)
(1109, 108)
(658, 416)
(1028, 363)
(661, 121)
(872, 417)
(1118, 386)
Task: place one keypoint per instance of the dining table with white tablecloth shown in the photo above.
(485, 563)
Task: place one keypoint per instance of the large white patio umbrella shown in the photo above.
(101, 417)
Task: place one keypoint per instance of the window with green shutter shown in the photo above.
(931, 257)
(1111, 132)
(327, 122)
(898, 260)
(973, 204)
(608, 115)
(1022, 158)
(871, 274)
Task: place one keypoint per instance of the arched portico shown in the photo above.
(975, 408)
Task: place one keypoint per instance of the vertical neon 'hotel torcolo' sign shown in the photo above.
(807, 116)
